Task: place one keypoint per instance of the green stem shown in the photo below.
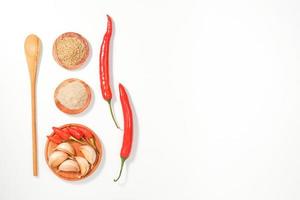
(112, 114)
(91, 141)
(74, 139)
(121, 169)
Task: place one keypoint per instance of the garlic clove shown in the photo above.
(89, 153)
(66, 147)
(69, 166)
(56, 158)
(83, 165)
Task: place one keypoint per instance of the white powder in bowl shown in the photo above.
(72, 95)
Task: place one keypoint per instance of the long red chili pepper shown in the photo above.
(104, 68)
(128, 128)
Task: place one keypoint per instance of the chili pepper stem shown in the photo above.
(91, 141)
(74, 139)
(112, 114)
(121, 169)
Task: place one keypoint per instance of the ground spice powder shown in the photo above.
(72, 95)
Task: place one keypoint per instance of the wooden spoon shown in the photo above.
(32, 48)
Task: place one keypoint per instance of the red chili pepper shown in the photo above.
(75, 133)
(63, 134)
(104, 68)
(128, 127)
(87, 135)
(55, 138)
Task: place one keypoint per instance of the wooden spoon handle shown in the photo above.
(32, 48)
(34, 135)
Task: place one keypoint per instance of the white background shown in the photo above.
(215, 87)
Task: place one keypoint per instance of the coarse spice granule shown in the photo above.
(70, 51)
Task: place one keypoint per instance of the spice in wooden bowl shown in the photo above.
(70, 50)
(72, 96)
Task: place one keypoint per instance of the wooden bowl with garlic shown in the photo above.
(73, 151)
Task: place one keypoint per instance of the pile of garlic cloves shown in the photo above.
(64, 158)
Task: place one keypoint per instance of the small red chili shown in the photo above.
(75, 133)
(128, 128)
(63, 134)
(104, 68)
(55, 138)
(67, 133)
(87, 135)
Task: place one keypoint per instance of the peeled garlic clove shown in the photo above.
(83, 165)
(66, 147)
(56, 158)
(69, 166)
(89, 153)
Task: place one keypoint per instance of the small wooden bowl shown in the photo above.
(74, 176)
(63, 108)
(81, 39)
